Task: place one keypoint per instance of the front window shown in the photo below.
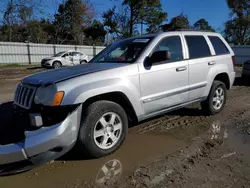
(173, 46)
(59, 54)
(65, 55)
(126, 51)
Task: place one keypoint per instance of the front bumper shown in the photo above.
(58, 137)
(47, 63)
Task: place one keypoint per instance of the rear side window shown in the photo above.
(218, 45)
(198, 47)
(75, 53)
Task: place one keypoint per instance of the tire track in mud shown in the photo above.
(173, 122)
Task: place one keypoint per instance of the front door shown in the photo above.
(67, 59)
(165, 84)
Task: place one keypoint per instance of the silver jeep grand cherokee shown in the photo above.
(90, 106)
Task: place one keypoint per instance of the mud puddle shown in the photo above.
(239, 142)
(217, 158)
(235, 137)
(136, 151)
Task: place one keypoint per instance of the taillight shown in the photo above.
(233, 61)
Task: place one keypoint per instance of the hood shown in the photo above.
(49, 58)
(59, 75)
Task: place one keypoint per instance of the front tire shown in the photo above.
(216, 99)
(57, 65)
(103, 129)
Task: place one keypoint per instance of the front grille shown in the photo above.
(24, 95)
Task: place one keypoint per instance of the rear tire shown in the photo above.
(57, 65)
(216, 100)
(83, 62)
(103, 129)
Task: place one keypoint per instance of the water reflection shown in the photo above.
(217, 131)
(110, 171)
(79, 173)
(235, 138)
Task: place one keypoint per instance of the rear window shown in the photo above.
(76, 54)
(198, 47)
(218, 45)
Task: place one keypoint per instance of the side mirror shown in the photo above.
(65, 55)
(160, 56)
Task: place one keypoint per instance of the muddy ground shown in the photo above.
(183, 148)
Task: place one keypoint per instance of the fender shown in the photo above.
(83, 92)
(213, 72)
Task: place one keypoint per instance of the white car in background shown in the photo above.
(65, 58)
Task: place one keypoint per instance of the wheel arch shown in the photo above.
(83, 60)
(56, 61)
(117, 97)
(223, 77)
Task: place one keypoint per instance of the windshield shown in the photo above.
(126, 51)
(59, 54)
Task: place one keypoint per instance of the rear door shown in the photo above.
(222, 54)
(199, 55)
(76, 57)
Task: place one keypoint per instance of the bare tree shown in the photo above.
(72, 17)
(19, 12)
(9, 18)
(237, 29)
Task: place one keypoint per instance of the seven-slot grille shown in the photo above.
(24, 95)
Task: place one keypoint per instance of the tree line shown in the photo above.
(74, 22)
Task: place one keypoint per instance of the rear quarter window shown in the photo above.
(219, 46)
(197, 47)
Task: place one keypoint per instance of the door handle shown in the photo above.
(211, 63)
(179, 69)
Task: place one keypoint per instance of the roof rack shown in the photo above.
(193, 30)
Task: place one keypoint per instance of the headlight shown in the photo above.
(48, 96)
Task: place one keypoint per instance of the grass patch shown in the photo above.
(13, 65)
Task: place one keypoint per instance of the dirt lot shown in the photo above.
(183, 148)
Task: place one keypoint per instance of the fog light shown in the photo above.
(36, 120)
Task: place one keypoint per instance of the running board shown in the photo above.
(171, 109)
